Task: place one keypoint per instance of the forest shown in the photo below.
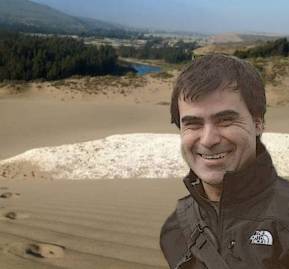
(157, 48)
(27, 57)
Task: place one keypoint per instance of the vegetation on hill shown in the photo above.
(270, 58)
(30, 17)
(274, 69)
(156, 48)
(279, 47)
(25, 57)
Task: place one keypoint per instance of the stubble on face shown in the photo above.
(234, 141)
(214, 177)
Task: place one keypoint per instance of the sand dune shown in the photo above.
(87, 224)
(100, 224)
(48, 116)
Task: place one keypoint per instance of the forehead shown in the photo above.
(214, 102)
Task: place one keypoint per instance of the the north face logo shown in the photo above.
(262, 238)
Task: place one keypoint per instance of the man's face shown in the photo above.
(218, 134)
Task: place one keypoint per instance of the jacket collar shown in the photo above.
(241, 185)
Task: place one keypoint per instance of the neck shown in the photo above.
(213, 192)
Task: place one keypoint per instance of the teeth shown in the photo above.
(213, 157)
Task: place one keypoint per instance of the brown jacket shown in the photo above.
(251, 229)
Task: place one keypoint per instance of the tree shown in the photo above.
(25, 57)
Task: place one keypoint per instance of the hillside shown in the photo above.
(28, 16)
(225, 38)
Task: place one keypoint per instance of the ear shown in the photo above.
(259, 125)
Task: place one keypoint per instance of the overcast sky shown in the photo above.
(209, 16)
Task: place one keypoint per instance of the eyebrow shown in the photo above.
(189, 118)
(226, 113)
(221, 114)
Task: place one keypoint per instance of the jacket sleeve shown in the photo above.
(172, 241)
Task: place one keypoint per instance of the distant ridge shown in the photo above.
(28, 16)
(223, 38)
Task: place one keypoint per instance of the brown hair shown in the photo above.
(208, 73)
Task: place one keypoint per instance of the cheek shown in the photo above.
(188, 139)
(244, 140)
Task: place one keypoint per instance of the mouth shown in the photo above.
(216, 156)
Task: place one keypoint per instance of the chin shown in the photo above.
(212, 178)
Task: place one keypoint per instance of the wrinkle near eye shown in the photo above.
(243, 124)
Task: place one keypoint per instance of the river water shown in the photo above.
(143, 69)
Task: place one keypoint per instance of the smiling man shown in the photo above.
(236, 215)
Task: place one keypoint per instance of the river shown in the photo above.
(143, 69)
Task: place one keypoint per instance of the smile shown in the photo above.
(214, 156)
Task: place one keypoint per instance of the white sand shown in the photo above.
(144, 155)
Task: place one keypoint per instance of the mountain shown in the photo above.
(94, 24)
(28, 16)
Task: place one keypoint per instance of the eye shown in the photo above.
(224, 122)
(192, 125)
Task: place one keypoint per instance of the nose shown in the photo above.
(210, 136)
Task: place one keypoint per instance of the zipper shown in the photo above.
(220, 223)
